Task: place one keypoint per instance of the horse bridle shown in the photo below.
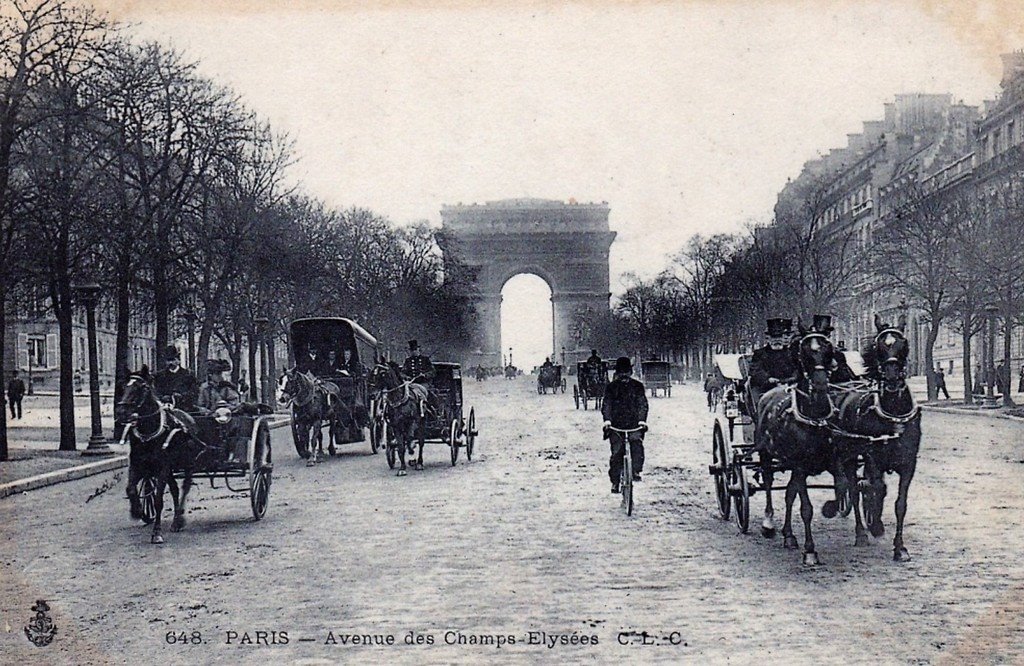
(133, 423)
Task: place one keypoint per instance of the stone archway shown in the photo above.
(565, 244)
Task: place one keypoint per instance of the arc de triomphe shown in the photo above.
(565, 244)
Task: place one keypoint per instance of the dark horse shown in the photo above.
(313, 401)
(404, 407)
(792, 433)
(160, 444)
(880, 424)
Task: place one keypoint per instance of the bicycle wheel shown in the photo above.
(626, 485)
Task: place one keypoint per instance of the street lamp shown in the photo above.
(88, 295)
(990, 357)
(261, 334)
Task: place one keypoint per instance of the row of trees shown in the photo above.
(121, 165)
(953, 253)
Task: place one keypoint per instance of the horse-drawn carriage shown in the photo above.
(329, 383)
(855, 430)
(168, 445)
(657, 376)
(406, 415)
(550, 377)
(591, 381)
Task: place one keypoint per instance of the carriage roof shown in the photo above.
(730, 366)
(654, 364)
(304, 325)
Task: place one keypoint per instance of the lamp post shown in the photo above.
(190, 331)
(990, 357)
(261, 335)
(510, 356)
(88, 295)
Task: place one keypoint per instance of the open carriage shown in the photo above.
(338, 351)
(657, 377)
(550, 378)
(591, 381)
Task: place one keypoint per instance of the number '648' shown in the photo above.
(183, 637)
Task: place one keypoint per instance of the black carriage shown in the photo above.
(235, 446)
(448, 425)
(550, 377)
(320, 346)
(657, 377)
(591, 381)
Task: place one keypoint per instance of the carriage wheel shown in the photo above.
(576, 395)
(147, 498)
(626, 480)
(259, 492)
(470, 434)
(302, 448)
(585, 398)
(453, 440)
(718, 469)
(740, 495)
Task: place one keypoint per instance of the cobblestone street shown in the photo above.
(524, 538)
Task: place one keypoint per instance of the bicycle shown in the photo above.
(626, 478)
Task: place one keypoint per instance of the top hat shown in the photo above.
(822, 324)
(170, 353)
(623, 364)
(413, 345)
(779, 327)
(593, 352)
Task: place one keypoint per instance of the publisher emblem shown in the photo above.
(41, 629)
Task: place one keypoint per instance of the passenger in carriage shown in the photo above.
(840, 371)
(772, 365)
(174, 384)
(547, 363)
(313, 361)
(594, 359)
(217, 389)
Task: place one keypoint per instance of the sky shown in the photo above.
(686, 117)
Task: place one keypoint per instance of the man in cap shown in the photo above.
(218, 389)
(419, 370)
(174, 384)
(624, 407)
(772, 364)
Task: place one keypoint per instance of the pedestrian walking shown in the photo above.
(940, 383)
(15, 392)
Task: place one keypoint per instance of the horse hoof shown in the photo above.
(401, 472)
(811, 559)
(876, 529)
(419, 467)
(862, 540)
(310, 463)
(790, 542)
(178, 524)
(900, 555)
(768, 532)
(829, 509)
(156, 538)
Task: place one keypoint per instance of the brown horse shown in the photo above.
(160, 444)
(312, 402)
(792, 433)
(404, 408)
(880, 424)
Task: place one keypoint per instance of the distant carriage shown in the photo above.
(550, 377)
(657, 377)
(591, 381)
(320, 345)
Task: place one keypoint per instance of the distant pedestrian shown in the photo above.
(1020, 383)
(15, 392)
(1003, 378)
(979, 381)
(940, 383)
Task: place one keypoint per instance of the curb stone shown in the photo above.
(991, 414)
(82, 471)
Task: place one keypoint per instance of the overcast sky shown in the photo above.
(685, 117)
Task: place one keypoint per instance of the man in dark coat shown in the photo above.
(772, 364)
(314, 360)
(940, 383)
(15, 394)
(174, 383)
(419, 370)
(624, 407)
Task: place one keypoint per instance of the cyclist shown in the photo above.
(625, 407)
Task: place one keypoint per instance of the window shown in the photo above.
(37, 351)
(83, 355)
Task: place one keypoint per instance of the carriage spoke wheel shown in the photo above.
(259, 493)
(147, 498)
(626, 482)
(740, 490)
(453, 440)
(719, 464)
(301, 447)
(470, 433)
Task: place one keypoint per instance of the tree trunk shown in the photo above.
(253, 375)
(235, 354)
(271, 366)
(203, 349)
(1008, 372)
(121, 361)
(968, 381)
(3, 371)
(929, 357)
(65, 320)
(161, 307)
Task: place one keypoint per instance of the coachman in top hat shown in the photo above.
(772, 364)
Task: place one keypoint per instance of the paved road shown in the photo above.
(525, 538)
